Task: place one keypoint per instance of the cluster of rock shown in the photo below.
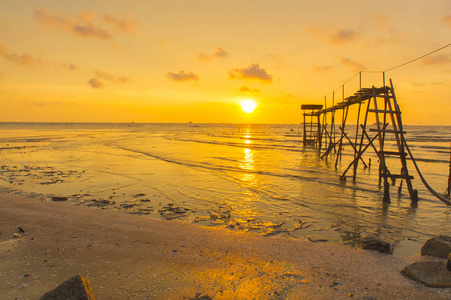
(434, 273)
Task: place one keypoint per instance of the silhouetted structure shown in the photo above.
(380, 103)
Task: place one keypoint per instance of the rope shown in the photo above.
(439, 196)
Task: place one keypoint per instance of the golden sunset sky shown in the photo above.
(181, 61)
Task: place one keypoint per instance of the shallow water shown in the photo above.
(243, 177)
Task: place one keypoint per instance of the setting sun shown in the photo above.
(248, 106)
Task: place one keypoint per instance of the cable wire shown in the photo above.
(423, 56)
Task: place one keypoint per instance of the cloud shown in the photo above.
(83, 25)
(252, 72)
(337, 37)
(355, 65)
(317, 30)
(246, 90)
(126, 23)
(23, 59)
(70, 67)
(288, 95)
(95, 83)
(437, 59)
(320, 69)
(105, 76)
(422, 84)
(30, 61)
(447, 20)
(343, 36)
(219, 53)
(183, 76)
(381, 21)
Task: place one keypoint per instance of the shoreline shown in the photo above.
(129, 256)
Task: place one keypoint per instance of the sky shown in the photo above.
(194, 61)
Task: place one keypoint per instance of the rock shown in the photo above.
(59, 198)
(75, 288)
(448, 263)
(430, 273)
(199, 296)
(374, 243)
(439, 246)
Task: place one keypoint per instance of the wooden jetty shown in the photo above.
(376, 106)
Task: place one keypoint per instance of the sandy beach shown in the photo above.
(134, 257)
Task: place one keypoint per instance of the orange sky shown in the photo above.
(181, 61)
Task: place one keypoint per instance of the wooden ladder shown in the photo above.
(384, 106)
(312, 125)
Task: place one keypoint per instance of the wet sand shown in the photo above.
(135, 257)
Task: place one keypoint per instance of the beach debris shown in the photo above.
(77, 287)
(143, 211)
(126, 206)
(59, 198)
(371, 242)
(139, 195)
(100, 203)
(429, 273)
(20, 229)
(438, 246)
(200, 218)
(314, 239)
(171, 211)
(16, 235)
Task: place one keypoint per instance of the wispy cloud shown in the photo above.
(343, 36)
(447, 20)
(350, 63)
(29, 60)
(246, 90)
(423, 84)
(99, 75)
(317, 31)
(126, 23)
(95, 83)
(330, 36)
(381, 21)
(182, 76)
(252, 72)
(23, 59)
(84, 24)
(70, 67)
(320, 69)
(105, 76)
(437, 59)
(219, 53)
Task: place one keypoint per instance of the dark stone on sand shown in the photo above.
(430, 273)
(448, 263)
(75, 288)
(438, 246)
(199, 296)
(371, 242)
(59, 198)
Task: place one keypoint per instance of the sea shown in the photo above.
(243, 177)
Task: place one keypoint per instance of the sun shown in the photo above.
(248, 106)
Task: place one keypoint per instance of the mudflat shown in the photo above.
(135, 257)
